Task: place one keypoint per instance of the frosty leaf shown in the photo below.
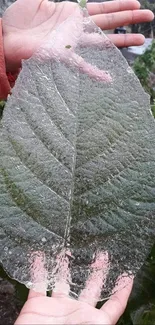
(77, 161)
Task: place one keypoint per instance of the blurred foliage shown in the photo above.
(2, 104)
(20, 289)
(153, 108)
(147, 28)
(144, 67)
(141, 306)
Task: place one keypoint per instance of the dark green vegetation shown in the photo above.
(144, 68)
(12, 297)
(1, 107)
(141, 306)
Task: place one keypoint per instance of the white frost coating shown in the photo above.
(130, 70)
(44, 240)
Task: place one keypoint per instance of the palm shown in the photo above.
(26, 23)
(45, 310)
(63, 310)
(32, 26)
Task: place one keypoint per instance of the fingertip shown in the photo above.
(134, 40)
(149, 15)
(127, 40)
(140, 39)
(124, 283)
(137, 5)
(34, 294)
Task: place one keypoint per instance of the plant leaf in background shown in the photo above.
(4, 5)
(77, 162)
(141, 302)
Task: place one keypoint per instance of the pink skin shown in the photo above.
(38, 271)
(61, 309)
(99, 271)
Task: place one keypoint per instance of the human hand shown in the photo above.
(27, 23)
(61, 309)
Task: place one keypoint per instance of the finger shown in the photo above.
(38, 275)
(112, 6)
(99, 270)
(94, 39)
(101, 42)
(116, 305)
(127, 40)
(62, 286)
(34, 294)
(110, 21)
(92, 71)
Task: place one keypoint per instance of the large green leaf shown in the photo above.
(77, 161)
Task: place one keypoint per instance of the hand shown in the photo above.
(27, 23)
(54, 310)
(60, 309)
